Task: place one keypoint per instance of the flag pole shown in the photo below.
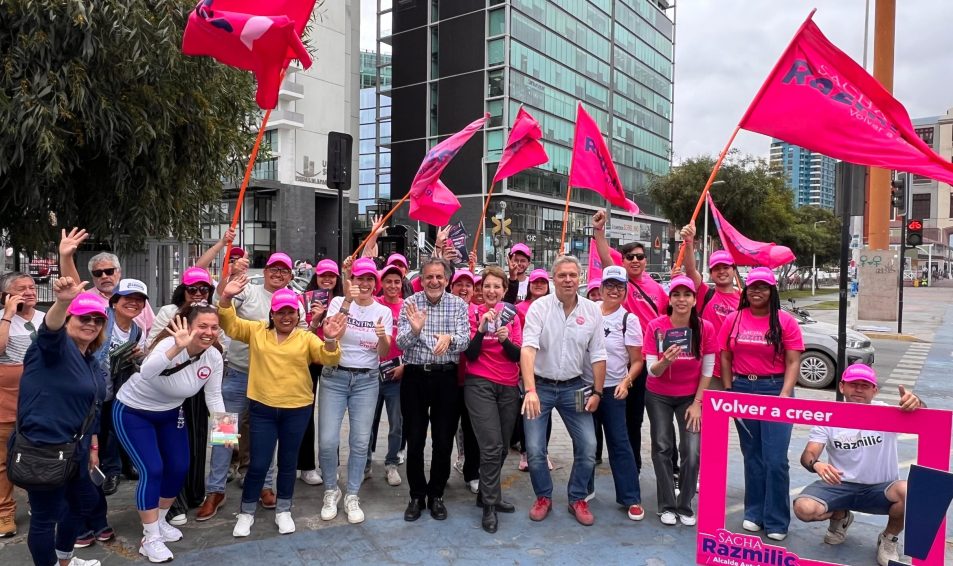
(383, 221)
(479, 230)
(572, 160)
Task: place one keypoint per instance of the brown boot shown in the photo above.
(8, 527)
(268, 499)
(213, 502)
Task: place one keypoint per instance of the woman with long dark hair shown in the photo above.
(761, 347)
(679, 370)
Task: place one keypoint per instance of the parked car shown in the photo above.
(818, 360)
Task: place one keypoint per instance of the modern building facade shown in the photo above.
(809, 175)
(454, 60)
(289, 205)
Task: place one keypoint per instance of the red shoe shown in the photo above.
(268, 499)
(581, 511)
(636, 513)
(540, 508)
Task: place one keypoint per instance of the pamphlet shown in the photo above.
(388, 369)
(224, 429)
(457, 237)
(318, 296)
(507, 314)
(680, 336)
(582, 397)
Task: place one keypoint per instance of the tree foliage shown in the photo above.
(106, 125)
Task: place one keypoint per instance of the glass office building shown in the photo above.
(809, 175)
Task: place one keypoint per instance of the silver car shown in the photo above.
(819, 359)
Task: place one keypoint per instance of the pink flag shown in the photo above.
(523, 149)
(745, 251)
(819, 98)
(434, 204)
(261, 36)
(595, 262)
(441, 154)
(592, 166)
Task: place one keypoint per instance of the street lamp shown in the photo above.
(704, 265)
(814, 258)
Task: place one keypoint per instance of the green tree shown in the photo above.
(105, 124)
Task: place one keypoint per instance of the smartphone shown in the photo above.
(96, 475)
(3, 301)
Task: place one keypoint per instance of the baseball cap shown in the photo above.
(593, 284)
(859, 372)
(396, 258)
(681, 281)
(760, 275)
(614, 273)
(195, 275)
(477, 279)
(461, 273)
(131, 287)
(87, 302)
(521, 249)
(388, 269)
(327, 266)
(284, 298)
(364, 266)
(236, 252)
(538, 274)
(721, 257)
(280, 257)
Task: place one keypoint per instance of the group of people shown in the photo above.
(497, 351)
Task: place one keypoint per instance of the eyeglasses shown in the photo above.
(87, 319)
(197, 290)
(100, 272)
(278, 270)
(639, 257)
(613, 285)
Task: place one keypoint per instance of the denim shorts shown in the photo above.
(861, 497)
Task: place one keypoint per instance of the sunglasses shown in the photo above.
(639, 257)
(100, 272)
(279, 270)
(197, 290)
(88, 319)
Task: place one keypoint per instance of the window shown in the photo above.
(494, 81)
(921, 206)
(495, 51)
(926, 134)
(495, 108)
(497, 25)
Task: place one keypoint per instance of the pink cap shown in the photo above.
(521, 249)
(388, 269)
(859, 372)
(681, 281)
(721, 257)
(593, 284)
(538, 274)
(477, 279)
(327, 266)
(284, 298)
(364, 266)
(760, 275)
(280, 257)
(396, 258)
(87, 302)
(195, 275)
(461, 273)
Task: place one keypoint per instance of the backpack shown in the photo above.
(708, 296)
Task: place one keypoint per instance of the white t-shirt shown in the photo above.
(20, 338)
(864, 456)
(359, 344)
(147, 390)
(523, 290)
(165, 316)
(617, 362)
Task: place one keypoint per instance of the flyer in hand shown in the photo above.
(224, 429)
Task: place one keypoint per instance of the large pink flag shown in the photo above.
(440, 155)
(595, 262)
(523, 149)
(746, 251)
(592, 166)
(819, 98)
(434, 204)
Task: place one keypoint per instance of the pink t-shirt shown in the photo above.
(521, 308)
(492, 362)
(395, 310)
(751, 353)
(720, 306)
(636, 304)
(682, 377)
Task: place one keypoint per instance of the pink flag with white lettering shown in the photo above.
(746, 251)
(819, 98)
(434, 204)
(523, 149)
(592, 166)
(440, 155)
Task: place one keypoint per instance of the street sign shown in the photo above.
(502, 226)
(657, 244)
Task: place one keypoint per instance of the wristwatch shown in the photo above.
(597, 393)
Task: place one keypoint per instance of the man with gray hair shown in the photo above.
(432, 331)
(563, 332)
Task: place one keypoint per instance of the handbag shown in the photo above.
(45, 467)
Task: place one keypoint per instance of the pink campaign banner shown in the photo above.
(718, 545)
(746, 251)
(523, 149)
(592, 167)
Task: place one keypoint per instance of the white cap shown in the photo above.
(131, 287)
(614, 273)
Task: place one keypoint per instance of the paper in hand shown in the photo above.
(680, 336)
(224, 429)
(506, 314)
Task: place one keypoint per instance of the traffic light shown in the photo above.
(898, 196)
(914, 233)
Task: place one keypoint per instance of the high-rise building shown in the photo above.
(809, 175)
(373, 180)
(453, 60)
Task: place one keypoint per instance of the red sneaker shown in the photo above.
(636, 513)
(582, 513)
(540, 508)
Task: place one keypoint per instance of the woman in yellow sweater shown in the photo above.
(280, 399)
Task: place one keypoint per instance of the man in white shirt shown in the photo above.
(563, 332)
(861, 473)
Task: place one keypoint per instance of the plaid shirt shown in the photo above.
(446, 316)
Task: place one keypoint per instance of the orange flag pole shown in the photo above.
(701, 199)
(479, 230)
(383, 221)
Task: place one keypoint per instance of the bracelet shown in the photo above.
(5, 320)
(528, 391)
(597, 393)
(810, 467)
(603, 229)
(697, 400)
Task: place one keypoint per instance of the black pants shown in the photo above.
(196, 419)
(113, 459)
(471, 464)
(494, 409)
(600, 438)
(634, 415)
(429, 398)
(306, 460)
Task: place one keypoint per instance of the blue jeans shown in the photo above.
(270, 426)
(560, 396)
(59, 515)
(389, 397)
(625, 474)
(234, 394)
(357, 393)
(764, 446)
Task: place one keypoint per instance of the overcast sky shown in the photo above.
(725, 48)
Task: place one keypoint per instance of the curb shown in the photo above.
(893, 336)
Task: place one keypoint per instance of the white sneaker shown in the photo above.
(393, 477)
(474, 486)
(837, 531)
(687, 520)
(401, 457)
(243, 525)
(179, 520)
(352, 506)
(777, 536)
(286, 524)
(458, 465)
(750, 526)
(330, 508)
(668, 518)
(888, 548)
(169, 533)
(154, 549)
(312, 477)
(80, 562)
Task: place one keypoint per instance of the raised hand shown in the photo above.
(240, 267)
(488, 317)
(179, 328)
(688, 233)
(671, 354)
(346, 267)
(10, 306)
(234, 287)
(599, 220)
(334, 326)
(65, 289)
(69, 243)
(379, 227)
(229, 236)
(908, 401)
(417, 318)
(442, 234)
(379, 328)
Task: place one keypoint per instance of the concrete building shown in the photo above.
(809, 175)
(289, 205)
(453, 60)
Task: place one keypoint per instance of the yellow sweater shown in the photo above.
(278, 373)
